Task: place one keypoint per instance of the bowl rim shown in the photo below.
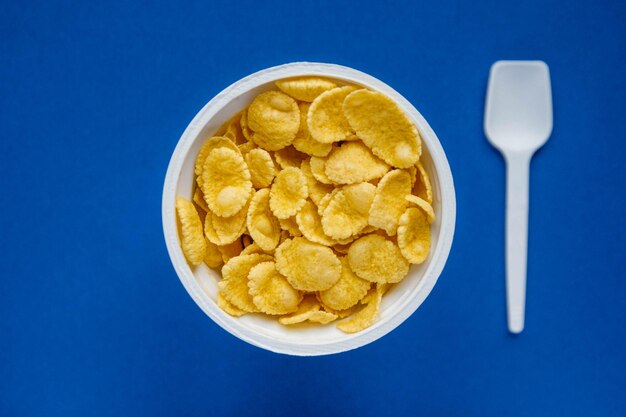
(230, 324)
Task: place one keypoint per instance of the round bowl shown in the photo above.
(201, 282)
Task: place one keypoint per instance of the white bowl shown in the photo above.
(201, 282)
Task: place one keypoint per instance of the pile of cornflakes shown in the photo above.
(312, 201)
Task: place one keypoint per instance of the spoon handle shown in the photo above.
(516, 237)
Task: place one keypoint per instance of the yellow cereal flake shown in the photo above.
(423, 188)
(414, 235)
(305, 88)
(341, 249)
(347, 291)
(352, 163)
(304, 142)
(289, 157)
(310, 224)
(326, 119)
(377, 259)
(383, 127)
(265, 142)
(308, 266)
(246, 147)
(224, 230)
(262, 225)
(231, 250)
(199, 183)
(423, 204)
(226, 182)
(316, 189)
(347, 212)
(254, 248)
(308, 310)
(360, 196)
(228, 307)
(213, 143)
(288, 193)
(318, 169)
(389, 202)
(348, 240)
(323, 203)
(341, 314)
(275, 119)
(379, 289)
(234, 283)
(201, 214)
(308, 305)
(270, 291)
(243, 124)
(413, 173)
(322, 317)
(290, 225)
(213, 257)
(192, 239)
(364, 318)
(369, 229)
(261, 166)
(233, 130)
(198, 198)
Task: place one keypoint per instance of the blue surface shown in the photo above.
(93, 320)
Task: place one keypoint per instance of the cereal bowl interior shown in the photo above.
(201, 281)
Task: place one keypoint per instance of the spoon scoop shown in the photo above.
(518, 121)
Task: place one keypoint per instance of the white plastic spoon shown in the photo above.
(518, 121)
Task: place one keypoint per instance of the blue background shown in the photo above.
(93, 320)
